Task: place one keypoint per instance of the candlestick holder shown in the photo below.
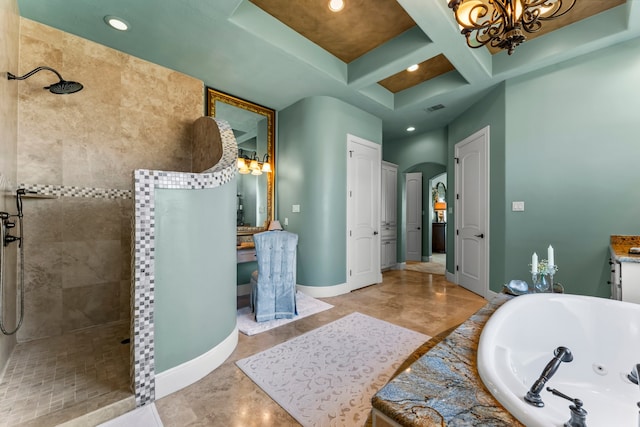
(551, 281)
(534, 280)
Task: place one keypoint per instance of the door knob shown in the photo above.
(375, 233)
(481, 235)
(417, 228)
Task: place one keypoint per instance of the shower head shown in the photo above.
(61, 88)
(64, 87)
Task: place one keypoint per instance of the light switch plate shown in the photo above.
(295, 208)
(517, 206)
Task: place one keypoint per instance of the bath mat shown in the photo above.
(328, 376)
(306, 307)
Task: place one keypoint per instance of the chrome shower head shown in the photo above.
(61, 88)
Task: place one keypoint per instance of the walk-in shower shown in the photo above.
(63, 87)
(7, 223)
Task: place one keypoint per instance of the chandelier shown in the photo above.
(501, 22)
(251, 164)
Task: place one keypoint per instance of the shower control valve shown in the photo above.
(4, 215)
(9, 224)
(10, 239)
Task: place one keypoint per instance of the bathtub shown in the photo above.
(604, 337)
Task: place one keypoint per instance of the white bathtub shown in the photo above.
(604, 337)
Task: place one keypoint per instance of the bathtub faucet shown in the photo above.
(561, 354)
(578, 414)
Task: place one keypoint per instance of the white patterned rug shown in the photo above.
(328, 376)
(306, 307)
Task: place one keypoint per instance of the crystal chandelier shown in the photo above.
(502, 22)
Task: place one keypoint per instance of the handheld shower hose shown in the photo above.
(6, 240)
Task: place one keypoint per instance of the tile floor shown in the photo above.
(423, 302)
(65, 374)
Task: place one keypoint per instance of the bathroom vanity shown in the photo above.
(625, 268)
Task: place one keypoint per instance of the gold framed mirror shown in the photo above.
(254, 128)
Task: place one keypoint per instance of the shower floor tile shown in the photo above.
(51, 374)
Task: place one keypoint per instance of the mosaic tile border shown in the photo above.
(72, 191)
(143, 257)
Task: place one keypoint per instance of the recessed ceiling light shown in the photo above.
(336, 5)
(413, 68)
(410, 129)
(117, 23)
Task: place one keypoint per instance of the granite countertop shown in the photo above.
(443, 387)
(619, 247)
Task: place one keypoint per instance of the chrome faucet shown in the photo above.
(561, 354)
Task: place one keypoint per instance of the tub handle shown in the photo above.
(578, 413)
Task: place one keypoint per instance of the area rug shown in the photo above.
(327, 377)
(306, 307)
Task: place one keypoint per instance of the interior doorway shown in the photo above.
(363, 212)
(472, 212)
(413, 191)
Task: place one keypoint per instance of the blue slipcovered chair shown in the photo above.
(273, 285)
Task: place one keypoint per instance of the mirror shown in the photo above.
(254, 129)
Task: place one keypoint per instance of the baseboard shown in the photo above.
(401, 266)
(451, 277)
(244, 289)
(325, 291)
(195, 369)
(491, 295)
(427, 258)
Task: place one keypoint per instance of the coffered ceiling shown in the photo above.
(276, 52)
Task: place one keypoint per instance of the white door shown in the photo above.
(363, 212)
(471, 212)
(414, 216)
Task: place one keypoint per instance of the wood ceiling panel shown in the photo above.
(427, 70)
(360, 27)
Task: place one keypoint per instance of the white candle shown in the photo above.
(550, 256)
(534, 263)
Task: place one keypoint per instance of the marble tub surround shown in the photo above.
(620, 245)
(443, 386)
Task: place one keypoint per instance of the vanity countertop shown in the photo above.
(620, 245)
(443, 387)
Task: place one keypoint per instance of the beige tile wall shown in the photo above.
(9, 33)
(131, 114)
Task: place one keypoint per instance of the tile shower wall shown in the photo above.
(82, 150)
(9, 34)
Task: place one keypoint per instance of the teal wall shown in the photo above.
(195, 272)
(312, 173)
(565, 141)
(490, 111)
(573, 154)
(426, 153)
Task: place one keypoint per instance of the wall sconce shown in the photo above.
(251, 164)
